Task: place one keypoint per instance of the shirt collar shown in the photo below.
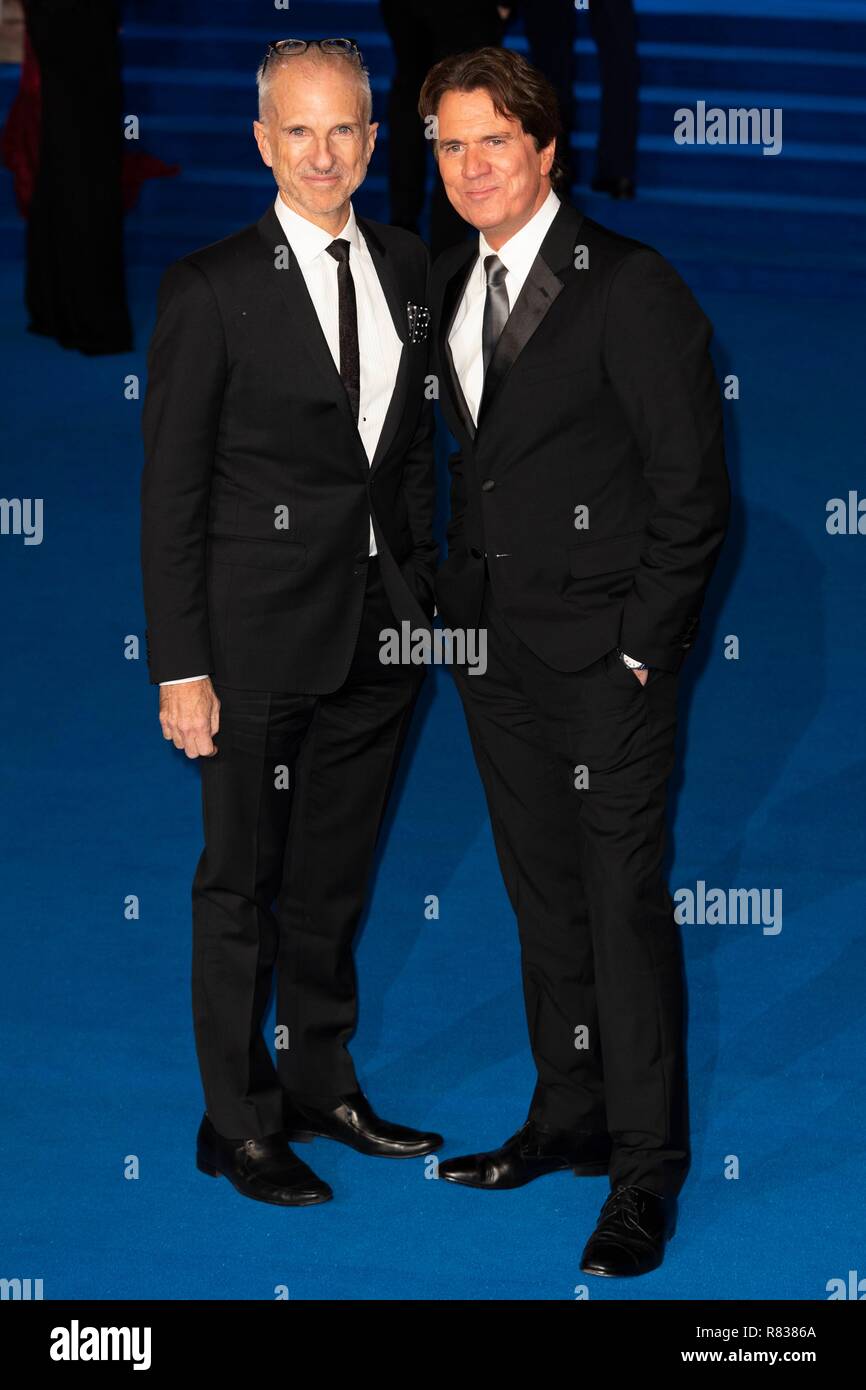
(520, 251)
(309, 241)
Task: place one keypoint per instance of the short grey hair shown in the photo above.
(269, 67)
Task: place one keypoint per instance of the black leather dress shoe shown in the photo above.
(528, 1154)
(265, 1169)
(351, 1120)
(633, 1227)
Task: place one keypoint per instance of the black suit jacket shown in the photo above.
(257, 492)
(601, 395)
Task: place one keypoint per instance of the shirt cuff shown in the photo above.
(185, 679)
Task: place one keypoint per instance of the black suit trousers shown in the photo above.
(575, 766)
(292, 805)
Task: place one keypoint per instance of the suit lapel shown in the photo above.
(550, 272)
(451, 298)
(540, 289)
(290, 283)
(397, 306)
(293, 288)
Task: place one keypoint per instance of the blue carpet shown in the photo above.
(98, 1072)
(98, 1062)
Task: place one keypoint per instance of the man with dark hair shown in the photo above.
(589, 500)
(287, 505)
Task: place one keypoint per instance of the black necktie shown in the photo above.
(496, 309)
(350, 357)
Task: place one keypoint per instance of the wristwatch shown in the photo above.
(630, 661)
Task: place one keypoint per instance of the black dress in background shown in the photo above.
(75, 290)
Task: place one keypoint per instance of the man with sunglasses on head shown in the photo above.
(287, 504)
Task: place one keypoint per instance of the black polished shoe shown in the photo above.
(633, 1227)
(264, 1169)
(351, 1120)
(528, 1154)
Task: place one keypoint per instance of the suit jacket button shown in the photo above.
(361, 559)
(475, 552)
(488, 485)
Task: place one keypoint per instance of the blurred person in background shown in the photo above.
(75, 287)
(551, 29)
(422, 32)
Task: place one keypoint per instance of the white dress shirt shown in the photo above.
(379, 343)
(517, 255)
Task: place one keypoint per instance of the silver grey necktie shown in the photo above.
(495, 308)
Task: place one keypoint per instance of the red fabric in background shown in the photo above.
(19, 144)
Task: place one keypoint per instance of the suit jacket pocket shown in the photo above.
(270, 555)
(605, 555)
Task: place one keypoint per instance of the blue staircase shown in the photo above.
(728, 215)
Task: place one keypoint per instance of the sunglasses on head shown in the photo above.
(289, 48)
